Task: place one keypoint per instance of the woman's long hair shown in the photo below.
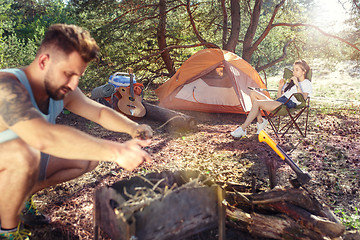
(304, 66)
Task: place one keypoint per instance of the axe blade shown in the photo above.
(302, 179)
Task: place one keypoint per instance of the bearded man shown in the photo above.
(37, 153)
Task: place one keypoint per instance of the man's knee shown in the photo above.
(92, 165)
(23, 157)
(86, 166)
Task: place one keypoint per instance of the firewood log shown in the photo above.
(276, 226)
(174, 119)
(293, 213)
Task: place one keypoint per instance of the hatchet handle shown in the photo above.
(264, 137)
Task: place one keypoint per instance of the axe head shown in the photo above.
(302, 179)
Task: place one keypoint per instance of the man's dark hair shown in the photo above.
(70, 38)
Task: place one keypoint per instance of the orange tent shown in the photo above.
(211, 80)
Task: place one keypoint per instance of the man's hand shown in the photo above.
(142, 131)
(130, 155)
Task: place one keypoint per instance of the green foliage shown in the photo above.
(127, 33)
(96, 75)
(5, 25)
(17, 52)
(29, 16)
(23, 24)
(350, 221)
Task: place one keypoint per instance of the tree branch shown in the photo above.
(288, 43)
(144, 18)
(356, 5)
(319, 30)
(208, 45)
(168, 49)
(273, 62)
(268, 27)
(131, 10)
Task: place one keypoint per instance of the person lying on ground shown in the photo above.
(298, 84)
(37, 153)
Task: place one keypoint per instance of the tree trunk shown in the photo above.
(235, 26)
(224, 26)
(161, 37)
(251, 31)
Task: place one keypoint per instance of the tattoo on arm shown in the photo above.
(15, 103)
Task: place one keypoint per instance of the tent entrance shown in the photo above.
(200, 91)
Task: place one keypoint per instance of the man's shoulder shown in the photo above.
(7, 75)
(8, 80)
(10, 74)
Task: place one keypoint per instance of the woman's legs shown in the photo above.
(259, 101)
(254, 96)
(267, 105)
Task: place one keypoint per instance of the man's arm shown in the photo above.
(15, 103)
(67, 142)
(18, 114)
(110, 119)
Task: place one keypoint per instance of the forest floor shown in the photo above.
(330, 154)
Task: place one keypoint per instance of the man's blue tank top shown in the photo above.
(55, 106)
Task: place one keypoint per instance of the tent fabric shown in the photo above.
(211, 80)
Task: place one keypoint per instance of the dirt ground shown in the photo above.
(330, 154)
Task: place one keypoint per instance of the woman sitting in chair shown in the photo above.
(298, 84)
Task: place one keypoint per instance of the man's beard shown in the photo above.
(53, 91)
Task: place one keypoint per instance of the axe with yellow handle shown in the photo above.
(302, 177)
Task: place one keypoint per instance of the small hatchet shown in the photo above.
(302, 177)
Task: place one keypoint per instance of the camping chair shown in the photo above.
(277, 118)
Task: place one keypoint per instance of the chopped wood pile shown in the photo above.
(282, 214)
